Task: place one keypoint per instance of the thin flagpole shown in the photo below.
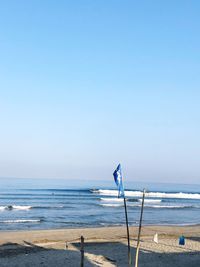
(139, 232)
(118, 180)
(128, 236)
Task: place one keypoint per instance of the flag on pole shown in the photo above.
(118, 180)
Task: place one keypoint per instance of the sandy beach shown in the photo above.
(103, 247)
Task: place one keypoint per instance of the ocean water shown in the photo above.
(47, 203)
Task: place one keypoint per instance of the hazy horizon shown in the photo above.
(90, 183)
(87, 85)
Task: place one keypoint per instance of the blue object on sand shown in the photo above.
(182, 240)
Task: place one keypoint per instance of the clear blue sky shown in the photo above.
(87, 84)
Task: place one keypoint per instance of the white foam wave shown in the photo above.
(20, 221)
(179, 195)
(111, 199)
(150, 200)
(169, 206)
(21, 207)
(15, 207)
(151, 206)
(111, 205)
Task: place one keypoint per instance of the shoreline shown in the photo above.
(105, 226)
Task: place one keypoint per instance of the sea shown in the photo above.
(64, 203)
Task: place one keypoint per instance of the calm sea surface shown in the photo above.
(48, 203)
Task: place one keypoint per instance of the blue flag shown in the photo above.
(118, 180)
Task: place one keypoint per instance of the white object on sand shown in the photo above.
(155, 238)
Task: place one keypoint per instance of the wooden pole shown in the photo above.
(139, 232)
(128, 236)
(82, 251)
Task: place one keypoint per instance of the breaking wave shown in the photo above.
(20, 221)
(152, 206)
(146, 200)
(15, 207)
(171, 206)
(112, 199)
(20, 207)
(112, 205)
(130, 200)
(178, 195)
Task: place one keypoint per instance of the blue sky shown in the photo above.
(87, 84)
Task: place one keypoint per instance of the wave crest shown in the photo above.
(15, 207)
(178, 195)
(21, 221)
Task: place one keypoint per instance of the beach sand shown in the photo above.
(103, 247)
